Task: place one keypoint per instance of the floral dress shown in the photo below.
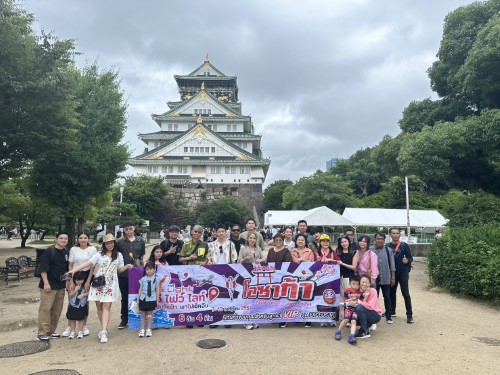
(103, 265)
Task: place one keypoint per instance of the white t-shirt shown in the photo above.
(78, 256)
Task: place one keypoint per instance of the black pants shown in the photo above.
(402, 279)
(123, 282)
(386, 292)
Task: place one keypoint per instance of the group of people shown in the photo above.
(91, 275)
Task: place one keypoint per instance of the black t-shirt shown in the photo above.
(172, 259)
(55, 265)
(238, 243)
(137, 248)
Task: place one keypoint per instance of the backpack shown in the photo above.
(38, 272)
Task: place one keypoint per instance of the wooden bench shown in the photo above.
(21, 266)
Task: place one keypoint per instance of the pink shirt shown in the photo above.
(364, 263)
(371, 302)
(307, 255)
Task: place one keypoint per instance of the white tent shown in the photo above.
(382, 217)
(319, 216)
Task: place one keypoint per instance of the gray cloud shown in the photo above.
(321, 78)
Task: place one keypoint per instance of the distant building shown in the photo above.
(206, 147)
(332, 163)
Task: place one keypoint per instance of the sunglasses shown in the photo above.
(235, 230)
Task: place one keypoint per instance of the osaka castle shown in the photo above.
(204, 139)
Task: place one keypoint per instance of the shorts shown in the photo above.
(147, 305)
(350, 314)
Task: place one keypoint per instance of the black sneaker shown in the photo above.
(409, 320)
(189, 326)
(308, 325)
(389, 321)
(43, 338)
(362, 334)
(212, 326)
(123, 324)
(282, 325)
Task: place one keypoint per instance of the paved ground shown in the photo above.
(450, 335)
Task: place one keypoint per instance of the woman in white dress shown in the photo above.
(107, 263)
(79, 254)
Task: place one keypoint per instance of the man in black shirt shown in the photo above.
(235, 238)
(133, 249)
(172, 246)
(53, 265)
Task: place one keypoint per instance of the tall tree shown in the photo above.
(273, 194)
(87, 161)
(320, 189)
(35, 101)
(227, 211)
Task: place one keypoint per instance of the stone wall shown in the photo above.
(184, 204)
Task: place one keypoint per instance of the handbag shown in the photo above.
(98, 281)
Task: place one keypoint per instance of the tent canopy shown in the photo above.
(319, 216)
(382, 217)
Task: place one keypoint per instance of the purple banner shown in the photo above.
(241, 294)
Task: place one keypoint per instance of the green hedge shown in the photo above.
(467, 261)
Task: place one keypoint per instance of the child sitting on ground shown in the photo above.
(351, 297)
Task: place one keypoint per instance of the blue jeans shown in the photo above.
(366, 317)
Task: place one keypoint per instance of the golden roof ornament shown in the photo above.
(203, 85)
(199, 120)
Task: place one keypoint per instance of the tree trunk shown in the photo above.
(81, 221)
(69, 226)
(24, 237)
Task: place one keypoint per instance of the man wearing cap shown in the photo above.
(172, 246)
(133, 249)
(53, 265)
(251, 229)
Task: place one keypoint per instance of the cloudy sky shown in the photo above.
(320, 78)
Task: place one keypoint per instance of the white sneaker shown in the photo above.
(80, 335)
(149, 333)
(249, 326)
(66, 331)
(104, 337)
(86, 331)
(71, 335)
(373, 327)
(255, 326)
(323, 325)
(141, 333)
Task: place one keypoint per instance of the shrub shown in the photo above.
(466, 261)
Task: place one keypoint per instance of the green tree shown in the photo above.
(87, 161)
(464, 154)
(273, 194)
(320, 189)
(363, 173)
(35, 90)
(467, 47)
(227, 211)
(18, 205)
(465, 209)
(148, 195)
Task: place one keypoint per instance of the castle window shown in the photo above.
(170, 127)
(207, 150)
(186, 149)
(213, 149)
(176, 127)
(191, 149)
(195, 111)
(196, 149)
(209, 111)
(229, 128)
(234, 128)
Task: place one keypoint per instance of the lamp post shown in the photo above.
(121, 193)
